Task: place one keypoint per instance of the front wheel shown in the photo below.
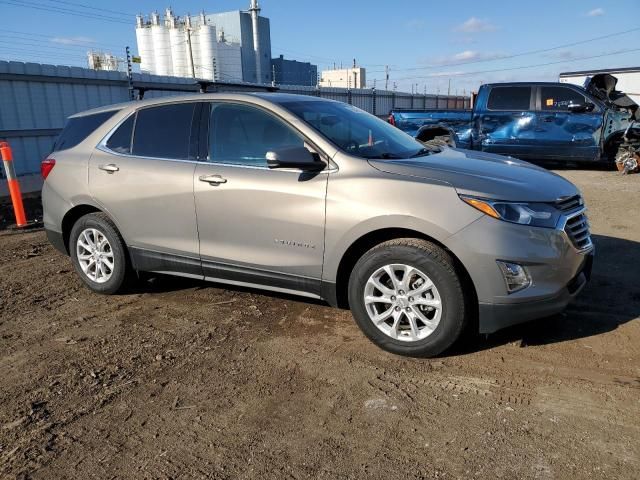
(406, 296)
(98, 253)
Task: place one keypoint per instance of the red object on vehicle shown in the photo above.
(46, 166)
(392, 120)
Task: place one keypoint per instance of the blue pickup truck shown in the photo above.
(534, 121)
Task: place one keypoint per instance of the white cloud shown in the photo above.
(467, 56)
(475, 25)
(596, 12)
(72, 40)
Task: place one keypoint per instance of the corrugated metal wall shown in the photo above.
(35, 100)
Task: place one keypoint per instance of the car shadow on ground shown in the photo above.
(611, 299)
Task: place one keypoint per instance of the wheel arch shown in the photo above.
(369, 240)
(429, 132)
(611, 145)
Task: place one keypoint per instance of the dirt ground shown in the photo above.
(190, 380)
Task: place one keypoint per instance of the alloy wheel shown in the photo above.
(403, 302)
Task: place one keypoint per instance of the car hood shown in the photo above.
(603, 86)
(484, 175)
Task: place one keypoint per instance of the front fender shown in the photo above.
(364, 206)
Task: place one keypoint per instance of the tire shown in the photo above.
(107, 280)
(422, 259)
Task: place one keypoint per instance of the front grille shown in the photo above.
(568, 204)
(577, 229)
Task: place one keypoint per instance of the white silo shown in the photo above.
(145, 45)
(178, 43)
(207, 43)
(161, 46)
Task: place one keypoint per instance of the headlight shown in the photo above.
(534, 214)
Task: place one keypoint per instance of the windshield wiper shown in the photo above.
(388, 156)
(423, 152)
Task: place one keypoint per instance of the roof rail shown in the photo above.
(199, 86)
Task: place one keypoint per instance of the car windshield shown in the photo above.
(355, 131)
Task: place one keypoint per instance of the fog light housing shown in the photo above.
(515, 276)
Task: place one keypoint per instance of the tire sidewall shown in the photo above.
(117, 247)
(444, 278)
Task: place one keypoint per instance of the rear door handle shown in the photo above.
(110, 168)
(549, 118)
(212, 179)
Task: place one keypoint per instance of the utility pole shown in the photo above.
(273, 75)
(386, 77)
(449, 89)
(129, 74)
(193, 67)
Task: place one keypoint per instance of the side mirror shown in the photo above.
(293, 157)
(580, 107)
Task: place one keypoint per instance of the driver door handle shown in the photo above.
(212, 179)
(109, 168)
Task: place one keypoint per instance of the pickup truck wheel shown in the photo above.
(406, 296)
(98, 253)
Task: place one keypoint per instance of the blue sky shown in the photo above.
(425, 43)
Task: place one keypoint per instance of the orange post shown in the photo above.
(14, 186)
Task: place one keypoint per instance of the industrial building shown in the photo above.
(102, 61)
(230, 46)
(355, 77)
(628, 79)
(292, 72)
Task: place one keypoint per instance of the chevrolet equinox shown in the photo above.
(317, 198)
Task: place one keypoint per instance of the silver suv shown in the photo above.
(316, 198)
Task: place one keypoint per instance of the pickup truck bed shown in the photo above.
(411, 121)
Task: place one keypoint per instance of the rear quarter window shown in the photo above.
(78, 128)
(120, 140)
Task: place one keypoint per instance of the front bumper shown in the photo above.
(496, 316)
(557, 268)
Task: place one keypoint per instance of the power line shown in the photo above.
(91, 7)
(458, 74)
(520, 54)
(64, 11)
(52, 39)
(69, 48)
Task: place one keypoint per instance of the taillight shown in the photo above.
(46, 166)
(392, 120)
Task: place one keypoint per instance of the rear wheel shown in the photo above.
(407, 298)
(98, 253)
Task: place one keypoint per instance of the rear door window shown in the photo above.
(120, 140)
(557, 99)
(509, 98)
(164, 131)
(77, 129)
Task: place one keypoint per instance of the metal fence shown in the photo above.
(35, 100)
